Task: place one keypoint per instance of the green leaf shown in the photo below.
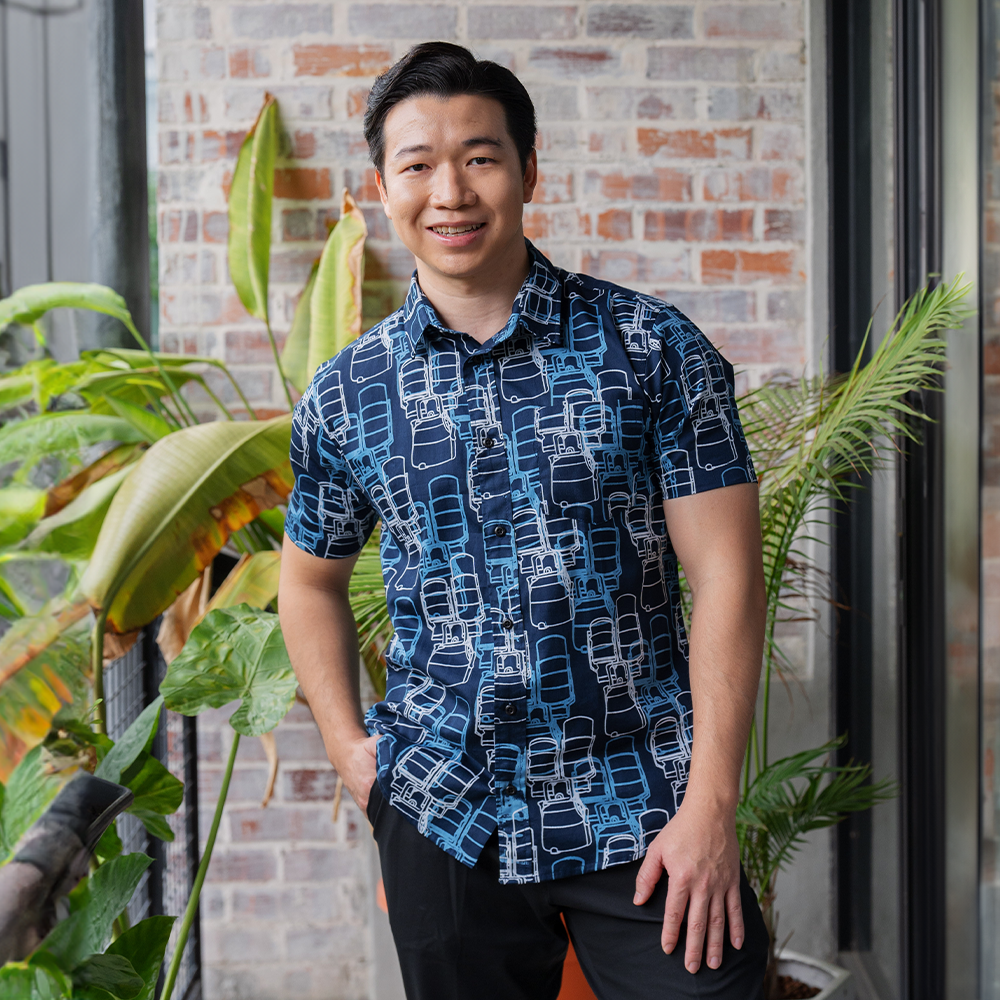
(110, 845)
(234, 653)
(36, 979)
(336, 298)
(150, 425)
(20, 508)
(72, 532)
(137, 739)
(144, 945)
(44, 666)
(157, 793)
(95, 904)
(250, 197)
(27, 796)
(177, 509)
(253, 580)
(27, 305)
(263, 153)
(295, 354)
(111, 973)
(61, 433)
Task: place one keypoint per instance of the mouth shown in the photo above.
(459, 230)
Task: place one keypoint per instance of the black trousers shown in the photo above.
(461, 935)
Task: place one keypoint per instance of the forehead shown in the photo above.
(439, 121)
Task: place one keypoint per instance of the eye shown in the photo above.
(415, 167)
(480, 161)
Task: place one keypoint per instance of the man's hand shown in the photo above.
(357, 768)
(699, 850)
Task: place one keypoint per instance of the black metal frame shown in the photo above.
(917, 66)
(849, 117)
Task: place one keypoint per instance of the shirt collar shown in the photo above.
(537, 308)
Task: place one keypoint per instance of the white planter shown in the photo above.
(834, 982)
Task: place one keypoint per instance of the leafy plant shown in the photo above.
(808, 438)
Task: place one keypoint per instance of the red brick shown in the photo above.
(564, 223)
(765, 103)
(699, 225)
(615, 224)
(624, 266)
(190, 115)
(309, 784)
(302, 183)
(575, 61)
(327, 218)
(510, 21)
(784, 224)
(609, 142)
(278, 822)
(317, 864)
(303, 144)
(719, 267)
(242, 866)
(782, 142)
(629, 20)
(341, 60)
(402, 20)
(554, 185)
(753, 184)
(298, 224)
(745, 21)
(215, 227)
(729, 143)
(247, 63)
(362, 185)
(687, 63)
(357, 101)
(221, 145)
(664, 184)
(251, 347)
(728, 305)
(271, 20)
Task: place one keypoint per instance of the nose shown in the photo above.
(450, 189)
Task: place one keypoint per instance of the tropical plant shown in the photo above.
(118, 499)
(809, 439)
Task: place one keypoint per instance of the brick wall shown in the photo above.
(671, 149)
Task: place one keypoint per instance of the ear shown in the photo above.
(380, 183)
(530, 176)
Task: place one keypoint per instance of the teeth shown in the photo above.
(456, 230)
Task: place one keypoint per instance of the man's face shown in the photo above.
(452, 183)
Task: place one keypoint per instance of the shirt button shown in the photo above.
(507, 623)
(489, 442)
(509, 709)
(509, 788)
(499, 531)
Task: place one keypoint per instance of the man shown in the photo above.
(540, 449)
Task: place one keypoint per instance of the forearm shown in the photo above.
(322, 641)
(726, 643)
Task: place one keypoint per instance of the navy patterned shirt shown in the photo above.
(537, 677)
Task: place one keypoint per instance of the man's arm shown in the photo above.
(322, 641)
(716, 536)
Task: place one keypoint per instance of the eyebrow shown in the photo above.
(479, 140)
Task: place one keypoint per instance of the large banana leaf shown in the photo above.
(253, 580)
(336, 298)
(61, 433)
(295, 354)
(250, 198)
(27, 305)
(69, 489)
(72, 532)
(177, 509)
(20, 508)
(44, 666)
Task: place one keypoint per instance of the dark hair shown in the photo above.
(445, 70)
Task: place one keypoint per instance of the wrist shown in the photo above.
(708, 798)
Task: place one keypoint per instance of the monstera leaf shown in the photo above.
(177, 509)
(234, 653)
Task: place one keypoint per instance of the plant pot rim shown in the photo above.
(836, 986)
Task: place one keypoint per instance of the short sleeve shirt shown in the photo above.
(537, 677)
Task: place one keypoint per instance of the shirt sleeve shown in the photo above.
(699, 439)
(328, 513)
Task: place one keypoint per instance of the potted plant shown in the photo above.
(808, 438)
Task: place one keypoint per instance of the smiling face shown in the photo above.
(453, 187)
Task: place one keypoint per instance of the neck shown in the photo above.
(479, 304)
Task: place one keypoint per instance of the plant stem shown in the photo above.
(174, 394)
(215, 399)
(277, 362)
(239, 392)
(97, 665)
(199, 880)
